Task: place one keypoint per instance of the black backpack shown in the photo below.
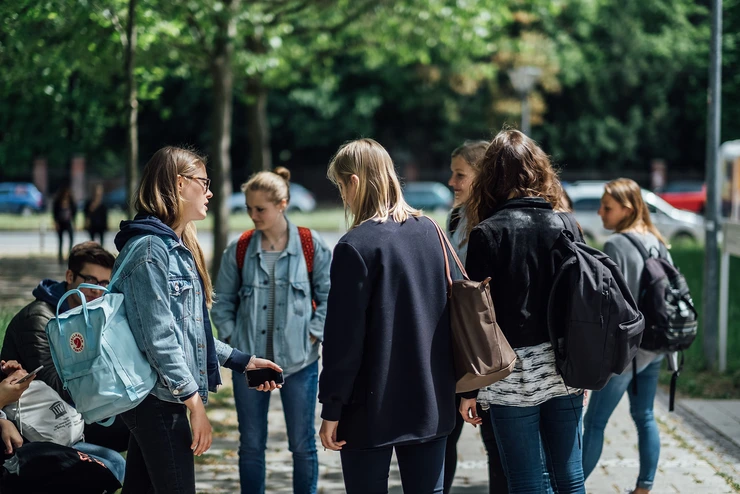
(670, 317)
(594, 325)
(671, 321)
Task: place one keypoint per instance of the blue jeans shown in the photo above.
(421, 465)
(523, 433)
(298, 395)
(600, 407)
(111, 459)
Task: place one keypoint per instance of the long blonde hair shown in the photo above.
(158, 196)
(629, 195)
(379, 194)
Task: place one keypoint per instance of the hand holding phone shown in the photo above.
(29, 375)
(257, 377)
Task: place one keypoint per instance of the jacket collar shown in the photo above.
(293, 248)
(524, 202)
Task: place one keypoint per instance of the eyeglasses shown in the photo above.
(205, 181)
(92, 280)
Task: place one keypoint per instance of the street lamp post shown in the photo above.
(523, 80)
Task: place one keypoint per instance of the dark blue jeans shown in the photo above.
(523, 433)
(421, 465)
(600, 407)
(298, 395)
(159, 457)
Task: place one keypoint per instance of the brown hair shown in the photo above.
(379, 195)
(276, 183)
(513, 166)
(158, 195)
(89, 253)
(629, 195)
(472, 152)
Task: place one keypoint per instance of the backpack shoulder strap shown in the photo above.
(308, 253)
(241, 248)
(636, 242)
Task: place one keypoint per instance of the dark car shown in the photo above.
(116, 199)
(20, 198)
(690, 195)
(428, 195)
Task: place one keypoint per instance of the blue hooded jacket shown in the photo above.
(50, 291)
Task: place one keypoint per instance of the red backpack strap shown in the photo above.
(308, 254)
(241, 249)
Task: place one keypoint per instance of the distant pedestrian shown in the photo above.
(96, 215)
(167, 296)
(388, 381)
(513, 226)
(466, 161)
(64, 211)
(265, 306)
(623, 210)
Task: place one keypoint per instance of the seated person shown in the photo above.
(26, 341)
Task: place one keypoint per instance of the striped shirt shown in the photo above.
(533, 381)
(270, 259)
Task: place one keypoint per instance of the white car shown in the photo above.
(675, 224)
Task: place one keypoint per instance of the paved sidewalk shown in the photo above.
(689, 464)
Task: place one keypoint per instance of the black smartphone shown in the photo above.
(260, 376)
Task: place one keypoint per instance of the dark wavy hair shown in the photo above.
(513, 166)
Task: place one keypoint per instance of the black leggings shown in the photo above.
(496, 475)
(159, 457)
(61, 229)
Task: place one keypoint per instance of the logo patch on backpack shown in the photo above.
(77, 342)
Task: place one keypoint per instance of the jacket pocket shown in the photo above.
(301, 297)
(181, 297)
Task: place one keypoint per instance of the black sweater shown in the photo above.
(513, 247)
(388, 376)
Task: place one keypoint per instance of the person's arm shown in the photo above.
(228, 281)
(344, 331)
(34, 351)
(320, 287)
(147, 301)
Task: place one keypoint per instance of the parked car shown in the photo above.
(428, 195)
(116, 199)
(20, 198)
(675, 224)
(690, 195)
(301, 199)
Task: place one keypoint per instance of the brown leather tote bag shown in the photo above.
(481, 353)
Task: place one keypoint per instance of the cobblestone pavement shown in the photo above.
(689, 464)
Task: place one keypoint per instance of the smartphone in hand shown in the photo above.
(29, 375)
(257, 377)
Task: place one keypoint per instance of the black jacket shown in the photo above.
(513, 247)
(25, 339)
(388, 376)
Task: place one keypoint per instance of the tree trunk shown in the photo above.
(258, 126)
(132, 104)
(223, 90)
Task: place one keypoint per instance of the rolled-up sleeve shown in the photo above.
(147, 302)
(344, 331)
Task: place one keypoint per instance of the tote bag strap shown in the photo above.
(447, 246)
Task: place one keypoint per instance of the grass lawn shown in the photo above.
(325, 219)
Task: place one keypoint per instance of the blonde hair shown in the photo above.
(275, 183)
(158, 196)
(629, 195)
(379, 195)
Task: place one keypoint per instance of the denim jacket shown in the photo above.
(164, 307)
(240, 309)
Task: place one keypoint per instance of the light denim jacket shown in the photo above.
(240, 309)
(164, 308)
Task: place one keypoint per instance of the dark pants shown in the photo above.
(159, 458)
(421, 466)
(61, 229)
(496, 475)
(100, 234)
(115, 437)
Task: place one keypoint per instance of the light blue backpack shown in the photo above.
(97, 357)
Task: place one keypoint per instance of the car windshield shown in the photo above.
(684, 186)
